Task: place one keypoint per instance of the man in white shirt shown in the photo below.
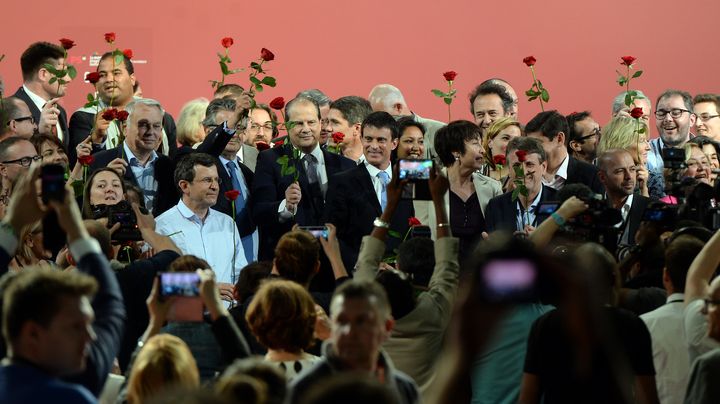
(199, 230)
(665, 324)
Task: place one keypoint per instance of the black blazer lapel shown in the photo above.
(34, 111)
(366, 184)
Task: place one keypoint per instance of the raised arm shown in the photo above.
(547, 229)
(702, 270)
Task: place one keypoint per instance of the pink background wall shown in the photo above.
(346, 47)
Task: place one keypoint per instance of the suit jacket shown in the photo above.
(584, 173)
(166, 196)
(637, 209)
(268, 192)
(245, 224)
(502, 210)
(21, 94)
(352, 206)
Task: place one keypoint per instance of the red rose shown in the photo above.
(529, 60)
(338, 137)
(279, 143)
(232, 194)
(450, 76)
(636, 112)
(86, 160)
(93, 77)
(627, 60)
(266, 55)
(227, 42)
(499, 159)
(109, 114)
(262, 146)
(122, 116)
(521, 155)
(128, 53)
(277, 103)
(413, 221)
(110, 37)
(67, 43)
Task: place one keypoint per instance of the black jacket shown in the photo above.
(580, 172)
(501, 212)
(637, 210)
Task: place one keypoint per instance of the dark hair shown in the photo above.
(35, 295)
(301, 100)
(230, 88)
(126, 61)
(400, 292)
(102, 235)
(7, 144)
(36, 55)
(409, 122)
(549, 123)
(87, 208)
(250, 278)
(416, 256)
(580, 191)
(380, 120)
(264, 371)
(356, 289)
(679, 255)
(491, 88)
(573, 133)
(349, 388)
(185, 170)
(687, 98)
(40, 139)
(452, 137)
(704, 140)
(353, 108)
(714, 98)
(296, 256)
(188, 263)
(528, 145)
(273, 117)
(136, 86)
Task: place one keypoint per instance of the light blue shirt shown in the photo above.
(245, 194)
(210, 239)
(529, 216)
(145, 175)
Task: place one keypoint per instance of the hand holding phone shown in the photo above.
(316, 231)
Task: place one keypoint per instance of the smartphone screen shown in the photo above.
(184, 284)
(53, 182)
(316, 231)
(510, 281)
(414, 169)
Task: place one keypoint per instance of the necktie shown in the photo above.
(240, 212)
(240, 201)
(384, 180)
(311, 169)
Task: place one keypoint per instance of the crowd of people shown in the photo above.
(230, 257)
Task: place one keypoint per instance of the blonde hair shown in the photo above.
(620, 133)
(190, 121)
(494, 130)
(689, 148)
(163, 362)
(25, 255)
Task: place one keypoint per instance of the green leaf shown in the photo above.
(256, 66)
(622, 80)
(515, 194)
(290, 170)
(628, 99)
(282, 160)
(637, 74)
(255, 80)
(452, 93)
(119, 59)
(540, 86)
(532, 98)
(258, 88)
(72, 72)
(447, 100)
(224, 68)
(642, 130)
(269, 81)
(545, 96)
(53, 80)
(523, 191)
(90, 104)
(393, 233)
(438, 93)
(253, 104)
(90, 98)
(532, 93)
(50, 68)
(632, 93)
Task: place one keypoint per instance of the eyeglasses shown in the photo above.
(595, 133)
(707, 304)
(675, 113)
(24, 118)
(255, 128)
(707, 117)
(24, 161)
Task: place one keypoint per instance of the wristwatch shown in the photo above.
(379, 223)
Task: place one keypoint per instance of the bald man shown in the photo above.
(388, 98)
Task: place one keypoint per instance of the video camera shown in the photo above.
(121, 213)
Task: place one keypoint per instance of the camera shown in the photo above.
(316, 231)
(121, 213)
(184, 284)
(414, 170)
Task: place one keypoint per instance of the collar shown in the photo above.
(374, 170)
(225, 161)
(36, 99)
(240, 153)
(131, 156)
(317, 152)
(189, 214)
(628, 203)
(675, 298)
(361, 160)
(563, 169)
(535, 201)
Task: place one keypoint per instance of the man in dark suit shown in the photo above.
(551, 128)
(39, 94)
(504, 213)
(618, 174)
(138, 160)
(279, 199)
(357, 197)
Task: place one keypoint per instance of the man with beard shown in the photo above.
(583, 136)
(673, 118)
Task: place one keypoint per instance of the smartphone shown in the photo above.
(183, 284)
(510, 281)
(53, 183)
(316, 231)
(414, 170)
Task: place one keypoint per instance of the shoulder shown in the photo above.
(581, 166)
(315, 374)
(501, 199)
(167, 216)
(548, 192)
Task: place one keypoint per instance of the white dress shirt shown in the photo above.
(285, 214)
(40, 103)
(377, 184)
(560, 176)
(210, 239)
(670, 354)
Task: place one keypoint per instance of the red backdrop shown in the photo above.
(345, 47)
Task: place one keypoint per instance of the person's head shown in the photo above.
(103, 187)
(411, 144)
(361, 323)
(622, 133)
(101, 234)
(416, 257)
(116, 80)
(488, 102)
(190, 123)
(697, 164)
(16, 155)
(535, 163)
(18, 118)
(236, 92)
(282, 316)
(599, 270)
(144, 125)
(221, 110)
(262, 126)
(260, 369)
(711, 149)
(346, 116)
(617, 172)
(400, 292)
(297, 256)
(679, 255)
(511, 92)
(349, 389)
(304, 114)
(197, 179)
(37, 76)
(707, 110)
(164, 362)
(323, 102)
(460, 142)
(50, 148)
(250, 278)
(674, 117)
(187, 263)
(379, 138)
(498, 135)
(619, 108)
(31, 248)
(583, 136)
(551, 128)
(388, 98)
(47, 319)
(241, 389)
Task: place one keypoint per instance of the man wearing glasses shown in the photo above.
(583, 136)
(673, 118)
(221, 110)
(20, 122)
(16, 155)
(708, 118)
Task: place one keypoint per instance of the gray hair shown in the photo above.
(619, 101)
(148, 102)
(387, 95)
(320, 98)
(215, 106)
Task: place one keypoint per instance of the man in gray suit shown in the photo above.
(388, 98)
(220, 110)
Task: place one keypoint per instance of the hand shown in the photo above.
(226, 291)
(642, 176)
(119, 165)
(322, 324)
(157, 308)
(292, 196)
(394, 190)
(384, 266)
(572, 207)
(25, 206)
(210, 293)
(48, 117)
(438, 184)
(144, 221)
(84, 148)
(331, 246)
(100, 131)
